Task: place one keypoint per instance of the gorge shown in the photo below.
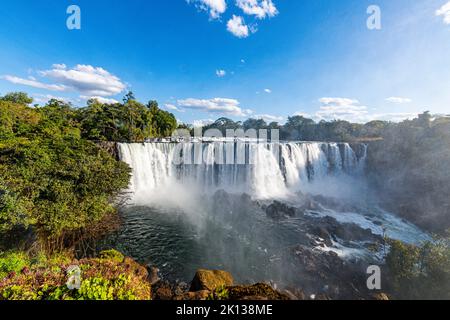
(268, 212)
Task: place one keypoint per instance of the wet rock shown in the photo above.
(380, 296)
(154, 275)
(329, 228)
(191, 296)
(278, 210)
(180, 288)
(328, 276)
(162, 290)
(259, 291)
(255, 298)
(165, 290)
(322, 297)
(335, 204)
(210, 280)
(323, 234)
(294, 293)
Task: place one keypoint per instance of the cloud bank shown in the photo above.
(225, 106)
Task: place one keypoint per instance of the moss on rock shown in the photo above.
(211, 280)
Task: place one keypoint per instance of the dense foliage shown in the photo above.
(50, 178)
(53, 177)
(409, 168)
(130, 121)
(420, 272)
(24, 277)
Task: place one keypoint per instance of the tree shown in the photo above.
(153, 106)
(50, 178)
(164, 122)
(256, 124)
(17, 97)
(129, 97)
(424, 119)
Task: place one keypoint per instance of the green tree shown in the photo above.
(17, 97)
(129, 97)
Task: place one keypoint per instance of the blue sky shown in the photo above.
(203, 59)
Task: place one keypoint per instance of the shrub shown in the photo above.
(12, 262)
(420, 272)
(105, 278)
(112, 255)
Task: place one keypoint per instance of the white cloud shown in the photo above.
(341, 108)
(237, 26)
(59, 66)
(338, 101)
(34, 83)
(89, 80)
(44, 98)
(100, 99)
(173, 107)
(351, 110)
(267, 91)
(215, 7)
(269, 117)
(86, 79)
(217, 105)
(221, 73)
(445, 12)
(259, 8)
(202, 122)
(398, 100)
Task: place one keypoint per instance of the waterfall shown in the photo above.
(263, 170)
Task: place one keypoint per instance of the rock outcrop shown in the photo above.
(211, 280)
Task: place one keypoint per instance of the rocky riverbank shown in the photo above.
(112, 276)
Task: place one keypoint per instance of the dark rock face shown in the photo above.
(278, 210)
(348, 231)
(153, 275)
(260, 291)
(327, 276)
(164, 290)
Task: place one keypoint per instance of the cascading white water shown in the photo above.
(267, 170)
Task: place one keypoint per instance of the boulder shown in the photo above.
(278, 210)
(259, 291)
(193, 296)
(211, 280)
(162, 290)
(154, 275)
(380, 296)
